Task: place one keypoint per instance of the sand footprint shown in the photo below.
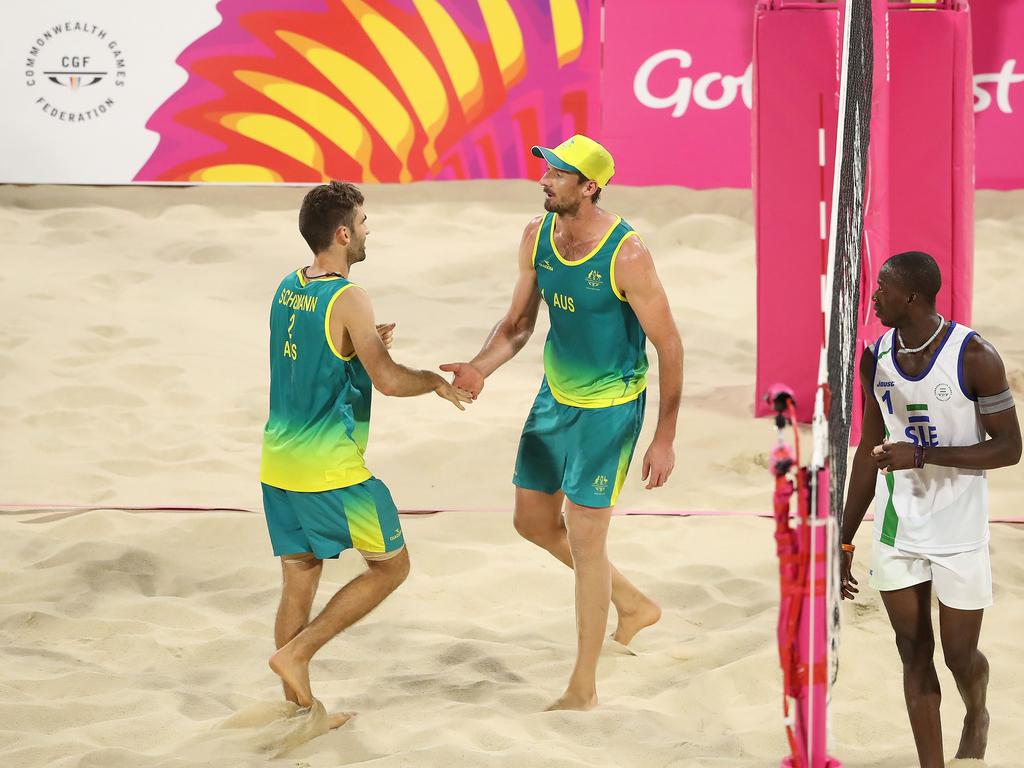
(109, 345)
(70, 366)
(133, 468)
(76, 220)
(271, 728)
(212, 254)
(117, 281)
(90, 397)
(196, 252)
(149, 373)
(107, 331)
(65, 419)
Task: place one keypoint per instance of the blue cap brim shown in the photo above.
(553, 160)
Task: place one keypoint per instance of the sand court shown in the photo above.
(134, 374)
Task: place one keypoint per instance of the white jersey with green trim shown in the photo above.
(934, 510)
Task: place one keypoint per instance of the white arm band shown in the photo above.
(996, 403)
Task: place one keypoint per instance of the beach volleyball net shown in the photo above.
(808, 538)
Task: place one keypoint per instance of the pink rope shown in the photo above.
(36, 508)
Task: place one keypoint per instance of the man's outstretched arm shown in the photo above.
(513, 330)
(352, 312)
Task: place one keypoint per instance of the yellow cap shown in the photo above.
(583, 155)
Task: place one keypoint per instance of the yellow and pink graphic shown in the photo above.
(378, 90)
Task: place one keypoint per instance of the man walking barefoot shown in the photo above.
(604, 300)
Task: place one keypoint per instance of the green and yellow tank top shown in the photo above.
(595, 355)
(319, 420)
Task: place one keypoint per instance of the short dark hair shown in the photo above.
(583, 180)
(324, 209)
(916, 272)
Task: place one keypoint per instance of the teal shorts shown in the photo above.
(326, 523)
(584, 452)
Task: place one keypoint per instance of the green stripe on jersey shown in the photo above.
(891, 520)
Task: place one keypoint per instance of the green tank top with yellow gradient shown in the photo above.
(595, 355)
(319, 420)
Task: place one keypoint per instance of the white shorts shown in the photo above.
(960, 580)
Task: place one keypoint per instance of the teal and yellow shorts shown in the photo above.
(326, 523)
(584, 452)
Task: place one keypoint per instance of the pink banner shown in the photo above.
(675, 91)
(999, 92)
(920, 192)
(797, 89)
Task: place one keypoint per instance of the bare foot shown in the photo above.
(295, 675)
(974, 738)
(643, 613)
(339, 719)
(570, 700)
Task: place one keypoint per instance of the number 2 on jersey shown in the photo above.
(289, 348)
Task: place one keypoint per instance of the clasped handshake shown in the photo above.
(467, 382)
(464, 387)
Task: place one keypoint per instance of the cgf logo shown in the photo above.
(74, 70)
(594, 279)
(74, 73)
(600, 483)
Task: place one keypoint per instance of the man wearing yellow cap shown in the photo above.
(604, 300)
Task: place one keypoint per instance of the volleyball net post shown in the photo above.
(807, 538)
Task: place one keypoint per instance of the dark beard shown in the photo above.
(359, 255)
(563, 209)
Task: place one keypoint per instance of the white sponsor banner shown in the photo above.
(78, 82)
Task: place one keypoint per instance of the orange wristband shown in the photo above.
(848, 548)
